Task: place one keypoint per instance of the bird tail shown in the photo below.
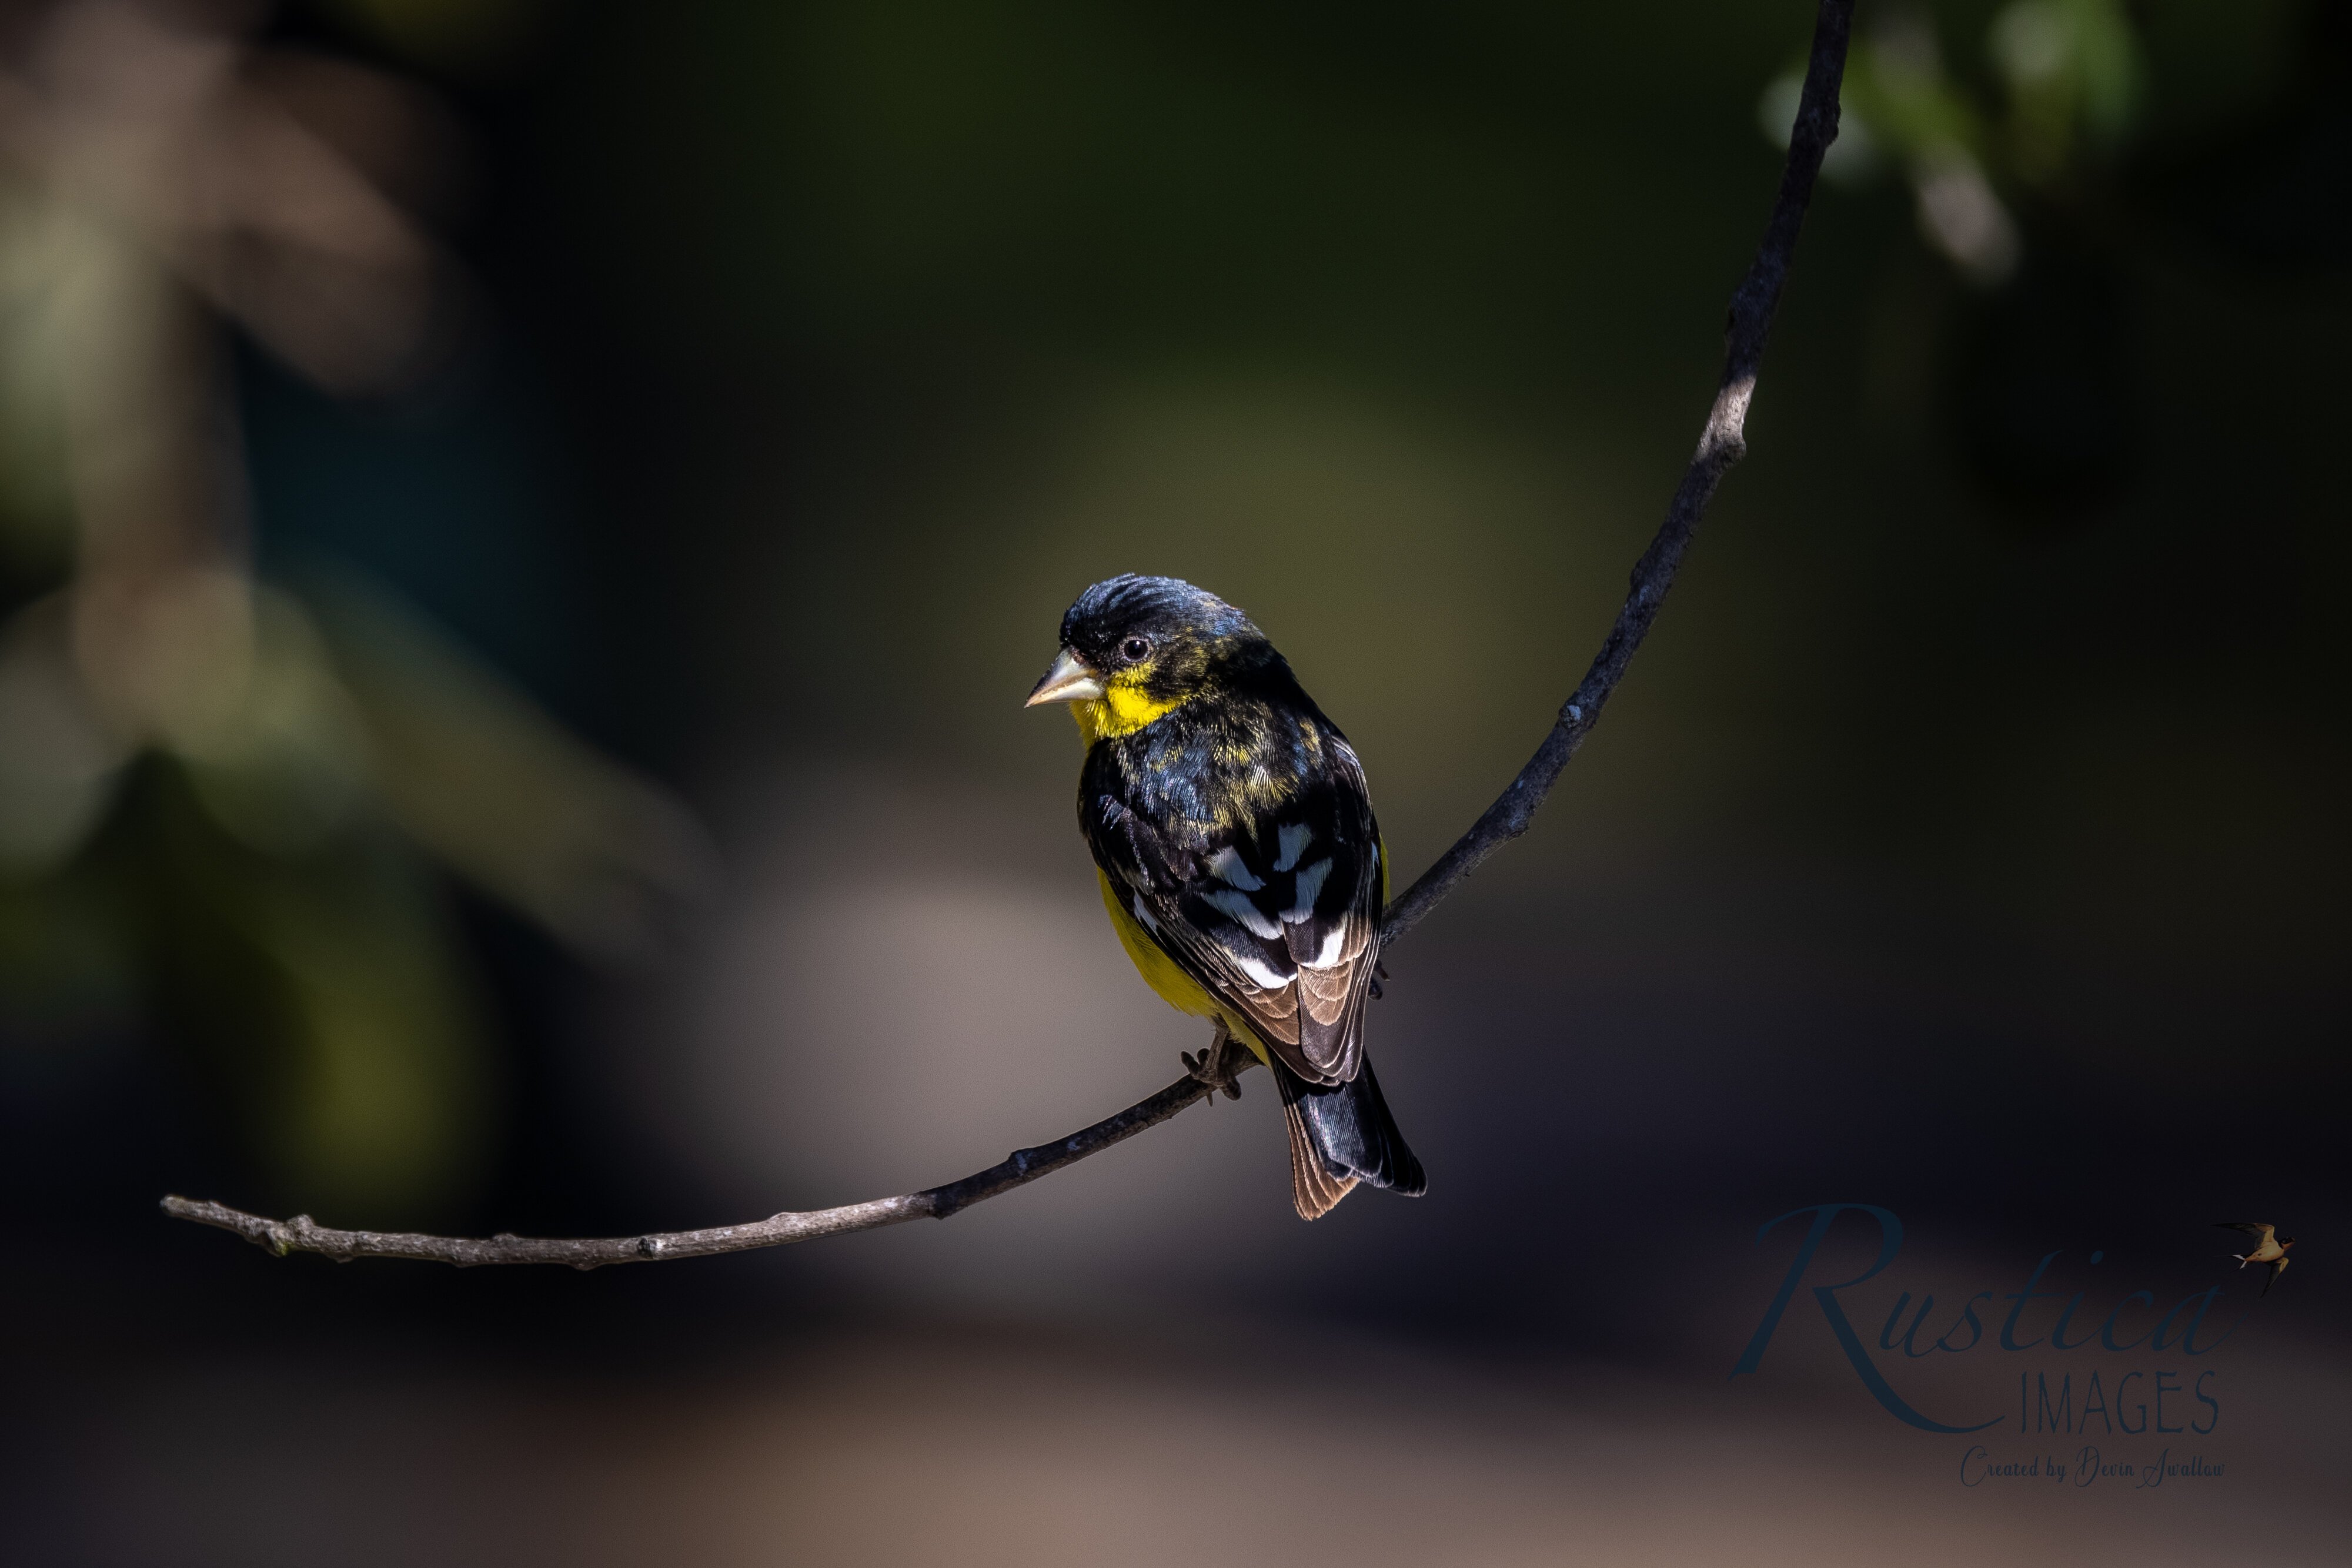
(1342, 1133)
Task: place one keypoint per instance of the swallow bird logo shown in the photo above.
(2269, 1247)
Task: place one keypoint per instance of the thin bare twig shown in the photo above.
(1722, 442)
(303, 1234)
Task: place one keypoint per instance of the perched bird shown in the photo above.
(2270, 1247)
(1234, 841)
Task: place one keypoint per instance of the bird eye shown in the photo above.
(1134, 649)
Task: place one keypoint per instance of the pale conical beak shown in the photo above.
(1069, 681)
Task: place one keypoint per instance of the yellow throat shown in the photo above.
(1122, 709)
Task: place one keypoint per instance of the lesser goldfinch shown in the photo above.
(1233, 837)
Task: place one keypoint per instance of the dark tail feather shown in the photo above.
(1313, 1188)
(1342, 1133)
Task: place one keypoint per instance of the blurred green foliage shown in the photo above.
(2039, 102)
(219, 796)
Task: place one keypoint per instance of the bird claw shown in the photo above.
(1209, 1067)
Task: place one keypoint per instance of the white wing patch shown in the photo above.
(1258, 969)
(1144, 915)
(1237, 905)
(1226, 866)
(1293, 841)
(1310, 888)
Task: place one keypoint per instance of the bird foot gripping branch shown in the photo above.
(1217, 1065)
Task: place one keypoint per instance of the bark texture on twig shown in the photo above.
(303, 1234)
(1722, 442)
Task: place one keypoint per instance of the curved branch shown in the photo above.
(303, 1234)
(1721, 443)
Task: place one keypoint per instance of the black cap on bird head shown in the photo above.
(1158, 636)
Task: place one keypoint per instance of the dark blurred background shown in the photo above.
(524, 527)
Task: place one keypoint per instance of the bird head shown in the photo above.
(1135, 649)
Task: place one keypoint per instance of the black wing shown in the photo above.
(1276, 915)
(2251, 1226)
